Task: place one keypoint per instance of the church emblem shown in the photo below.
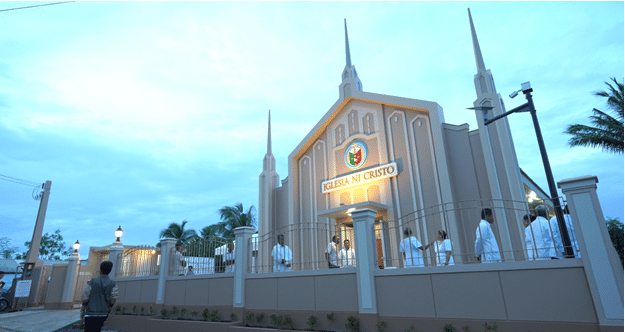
(356, 155)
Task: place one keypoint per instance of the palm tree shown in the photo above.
(177, 231)
(209, 231)
(233, 217)
(607, 131)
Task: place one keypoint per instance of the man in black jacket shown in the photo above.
(99, 296)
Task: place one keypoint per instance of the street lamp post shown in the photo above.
(529, 107)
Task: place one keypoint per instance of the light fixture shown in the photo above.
(76, 246)
(118, 233)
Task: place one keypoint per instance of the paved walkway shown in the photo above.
(38, 320)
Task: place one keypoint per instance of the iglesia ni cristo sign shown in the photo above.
(362, 177)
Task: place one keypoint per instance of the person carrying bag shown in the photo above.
(98, 298)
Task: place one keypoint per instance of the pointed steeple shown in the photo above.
(479, 60)
(348, 58)
(269, 134)
(349, 79)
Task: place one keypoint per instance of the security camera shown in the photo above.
(514, 94)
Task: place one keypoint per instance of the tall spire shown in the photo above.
(479, 60)
(269, 134)
(348, 58)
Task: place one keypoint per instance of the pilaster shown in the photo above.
(67, 297)
(601, 264)
(242, 258)
(365, 247)
(167, 245)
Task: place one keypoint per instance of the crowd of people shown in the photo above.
(542, 241)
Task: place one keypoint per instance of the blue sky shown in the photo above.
(146, 113)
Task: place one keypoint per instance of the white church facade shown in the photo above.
(399, 157)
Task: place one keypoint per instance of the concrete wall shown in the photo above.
(321, 290)
(545, 291)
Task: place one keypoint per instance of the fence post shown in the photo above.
(242, 259)
(116, 250)
(67, 297)
(601, 264)
(167, 245)
(365, 253)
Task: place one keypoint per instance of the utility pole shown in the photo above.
(35, 243)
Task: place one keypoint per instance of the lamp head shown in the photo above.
(119, 232)
(76, 246)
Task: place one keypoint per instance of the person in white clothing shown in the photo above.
(544, 247)
(557, 238)
(282, 256)
(347, 255)
(228, 258)
(332, 253)
(486, 248)
(179, 262)
(529, 242)
(443, 249)
(411, 249)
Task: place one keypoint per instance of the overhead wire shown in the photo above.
(19, 181)
(45, 4)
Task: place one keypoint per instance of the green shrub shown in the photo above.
(233, 317)
(381, 326)
(260, 317)
(488, 328)
(276, 320)
(353, 324)
(330, 317)
(151, 310)
(142, 311)
(134, 310)
(118, 309)
(249, 317)
(214, 316)
(174, 311)
(311, 322)
(183, 312)
(194, 314)
(465, 328)
(123, 310)
(449, 328)
(205, 314)
(287, 321)
(164, 313)
(410, 329)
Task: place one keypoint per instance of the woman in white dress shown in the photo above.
(443, 249)
(411, 249)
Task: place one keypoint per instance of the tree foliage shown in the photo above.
(178, 232)
(52, 247)
(233, 217)
(606, 131)
(615, 229)
(6, 249)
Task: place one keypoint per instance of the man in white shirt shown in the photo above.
(347, 255)
(529, 241)
(544, 247)
(228, 258)
(179, 262)
(282, 256)
(557, 238)
(332, 253)
(486, 248)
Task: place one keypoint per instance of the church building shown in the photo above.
(397, 156)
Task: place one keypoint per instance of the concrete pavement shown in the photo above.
(38, 320)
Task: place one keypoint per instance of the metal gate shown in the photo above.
(85, 273)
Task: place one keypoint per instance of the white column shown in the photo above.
(167, 245)
(365, 247)
(601, 264)
(67, 297)
(242, 258)
(116, 252)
